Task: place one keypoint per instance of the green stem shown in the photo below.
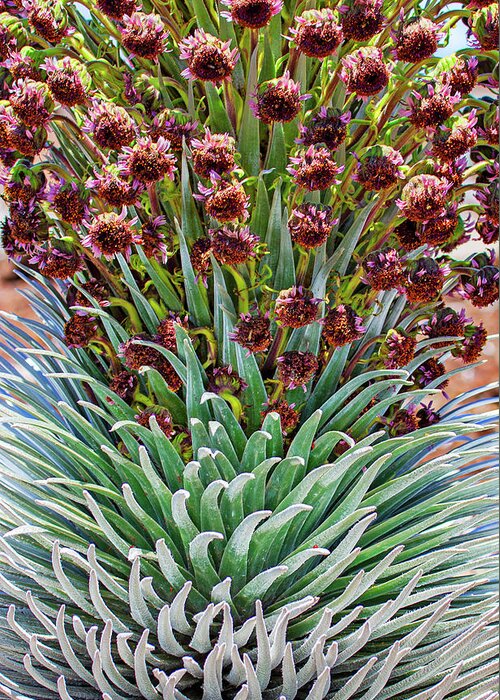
(131, 311)
(277, 346)
(139, 397)
(241, 290)
(302, 266)
(234, 402)
(229, 102)
(153, 200)
(110, 351)
(208, 334)
(89, 145)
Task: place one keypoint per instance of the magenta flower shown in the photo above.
(67, 79)
(251, 13)
(153, 238)
(364, 71)
(213, 153)
(342, 326)
(423, 197)
(379, 168)
(111, 233)
(317, 33)
(112, 185)
(174, 127)
(110, 125)
(31, 102)
(328, 126)
(416, 39)
(361, 19)
(224, 200)
(208, 57)
(278, 100)
(148, 161)
(315, 169)
(431, 110)
(144, 35)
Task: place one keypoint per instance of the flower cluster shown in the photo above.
(294, 202)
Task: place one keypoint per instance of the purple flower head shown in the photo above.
(174, 126)
(296, 369)
(314, 169)
(49, 19)
(213, 153)
(251, 13)
(476, 338)
(452, 172)
(154, 237)
(148, 161)
(429, 373)
(68, 80)
(398, 349)
(224, 200)
(112, 184)
(450, 143)
(208, 57)
(403, 422)
(438, 231)
(311, 224)
(432, 109)
(111, 233)
(21, 66)
(364, 71)
(252, 332)
(383, 269)
(56, 263)
(361, 19)
(278, 100)
(425, 280)
(342, 326)
(69, 201)
(233, 245)
(296, 307)
(463, 76)
(481, 287)
(317, 33)
(416, 39)
(31, 102)
(445, 322)
(110, 125)
(488, 199)
(328, 126)
(378, 168)
(427, 415)
(483, 30)
(21, 185)
(423, 198)
(144, 35)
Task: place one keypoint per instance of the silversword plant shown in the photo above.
(227, 468)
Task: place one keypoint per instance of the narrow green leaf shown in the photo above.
(249, 134)
(219, 119)
(196, 296)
